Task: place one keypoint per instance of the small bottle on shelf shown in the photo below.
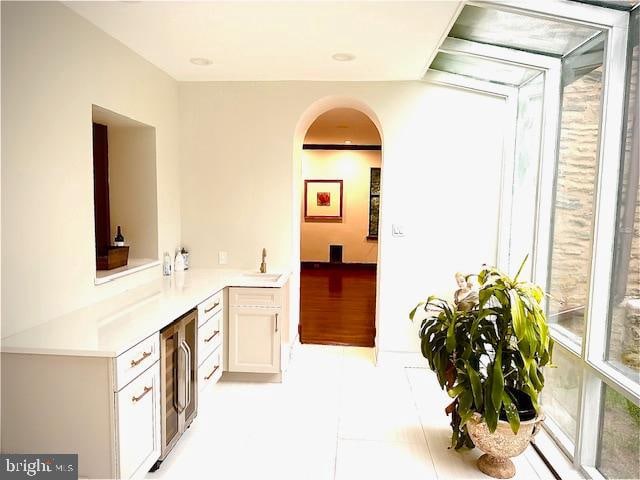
(185, 256)
(119, 240)
(166, 264)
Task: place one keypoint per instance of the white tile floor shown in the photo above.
(336, 416)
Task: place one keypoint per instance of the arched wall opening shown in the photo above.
(306, 120)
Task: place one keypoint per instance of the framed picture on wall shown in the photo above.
(322, 200)
(374, 203)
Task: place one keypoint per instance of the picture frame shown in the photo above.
(323, 200)
(374, 202)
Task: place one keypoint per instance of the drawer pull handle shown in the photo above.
(138, 361)
(211, 374)
(135, 399)
(207, 340)
(207, 310)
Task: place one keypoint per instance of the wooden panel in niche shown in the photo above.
(101, 189)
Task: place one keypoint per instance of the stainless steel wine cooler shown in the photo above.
(178, 370)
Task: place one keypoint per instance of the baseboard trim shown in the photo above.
(388, 358)
(342, 265)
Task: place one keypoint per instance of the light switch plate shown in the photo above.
(222, 258)
(397, 230)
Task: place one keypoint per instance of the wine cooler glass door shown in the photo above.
(169, 372)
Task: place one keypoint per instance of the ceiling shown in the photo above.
(341, 124)
(278, 40)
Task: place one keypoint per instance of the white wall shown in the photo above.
(55, 65)
(441, 177)
(353, 167)
(133, 199)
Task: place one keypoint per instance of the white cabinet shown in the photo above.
(210, 336)
(254, 339)
(210, 342)
(136, 360)
(92, 406)
(138, 423)
(210, 372)
(256, 328)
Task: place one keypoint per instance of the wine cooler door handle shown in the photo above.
(187, 374)
(182, 381)
(176, 380)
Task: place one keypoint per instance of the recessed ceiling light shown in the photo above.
(200, 61)
(347, 142)
(343, 57)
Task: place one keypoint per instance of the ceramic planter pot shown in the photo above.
(502, 444)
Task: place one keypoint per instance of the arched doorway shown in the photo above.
(340, 179)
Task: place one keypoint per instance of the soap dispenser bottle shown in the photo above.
(178, 264)
(166, 264)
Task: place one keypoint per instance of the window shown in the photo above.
(561, 395)
(576, 176)
(623, 349)
(619, 449)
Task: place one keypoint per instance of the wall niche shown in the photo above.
(125, 193)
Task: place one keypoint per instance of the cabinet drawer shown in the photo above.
(136, 360)
(211, 370)
(255, 297)
(210, 307)
(138, 414)
(209, 336)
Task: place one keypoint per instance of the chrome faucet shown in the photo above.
(263, 264)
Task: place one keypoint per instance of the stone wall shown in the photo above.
(575, 187)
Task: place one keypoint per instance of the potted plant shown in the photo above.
(488, 353)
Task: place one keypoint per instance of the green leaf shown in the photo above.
(490, 412)
(533, 375)
(451, 335)
(412, 313)
(464, 406)
(515, 279)
(497, 383)
(425, 347)
(512, 412)
(517, 314)
(476, 386)
(455, 391)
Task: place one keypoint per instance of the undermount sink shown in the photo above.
(265, 277)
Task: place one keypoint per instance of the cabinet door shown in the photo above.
(254, 340)
(139, 423)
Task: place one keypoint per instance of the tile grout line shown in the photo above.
(340, 385)
(424, 434)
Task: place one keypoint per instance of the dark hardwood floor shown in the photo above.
(338, 305)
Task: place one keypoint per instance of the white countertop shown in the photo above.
(112, 326)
